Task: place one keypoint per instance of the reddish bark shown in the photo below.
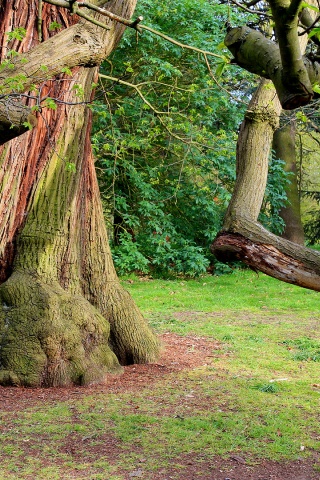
(62, 303)
(24, 158)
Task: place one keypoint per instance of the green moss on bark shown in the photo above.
(49, 337)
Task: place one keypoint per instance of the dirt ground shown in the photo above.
(177, 355)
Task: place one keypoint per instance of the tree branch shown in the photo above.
(254, 52)
(295, 76)
(249, 242)
(15, 119)
(246, 9)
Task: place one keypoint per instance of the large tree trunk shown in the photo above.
(284, 146)
(65, 317)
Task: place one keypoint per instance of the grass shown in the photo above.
(258, 396)
(242, 291)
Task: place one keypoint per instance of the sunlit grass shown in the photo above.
(242, 291)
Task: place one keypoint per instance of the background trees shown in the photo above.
(294, 80)
(167, 162)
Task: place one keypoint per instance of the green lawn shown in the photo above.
(258, 397)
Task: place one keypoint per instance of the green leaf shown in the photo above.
(54, 26)
(220, 69)
(316, 88)
(28, 125)
(50, 103)
(71, 167)
(308, 5)
(314, 31)
(302, 117)
(78, 89)
(221, 46)
(18, 33)
(66, 70)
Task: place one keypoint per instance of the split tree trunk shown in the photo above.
(65, 317)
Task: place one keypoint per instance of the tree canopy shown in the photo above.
(165, 137)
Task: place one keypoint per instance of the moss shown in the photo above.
(50, 337)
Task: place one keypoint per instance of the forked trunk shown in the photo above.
(65, 317)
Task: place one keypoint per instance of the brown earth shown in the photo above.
(180, 353)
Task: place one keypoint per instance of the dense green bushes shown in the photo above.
(166, 162)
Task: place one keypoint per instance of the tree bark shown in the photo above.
(284, 147)
(65, 317)
(255, 53)
(80, 44)
(242, 237)
(253, 150)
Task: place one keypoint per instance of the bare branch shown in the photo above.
(90, 19)
(255, 12)
(15, 119)
(40, 20)
(294, 8)
(136, 88)
(135, 24)
(179, 44)
(111, 15)
(252, 3)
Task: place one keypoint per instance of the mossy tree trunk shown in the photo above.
(65, 318)
(242, 237)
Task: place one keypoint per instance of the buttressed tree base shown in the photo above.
(64, 317)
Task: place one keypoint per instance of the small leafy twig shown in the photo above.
(255, 12)
(219, 84)
(308, 29)
(136, 88)
(179, 44)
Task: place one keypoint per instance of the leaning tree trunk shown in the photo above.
(284, 146)
(65, 317)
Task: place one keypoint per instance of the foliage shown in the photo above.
(167, 163)
(266, 387)
(304, 349)
(312, 225)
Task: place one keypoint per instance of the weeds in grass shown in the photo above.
(304, 349)
(267, 387)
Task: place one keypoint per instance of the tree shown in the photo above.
(65, 317)
(294, 79)
(165, 142)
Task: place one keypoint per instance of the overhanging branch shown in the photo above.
(261, 250)
(255, 53)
